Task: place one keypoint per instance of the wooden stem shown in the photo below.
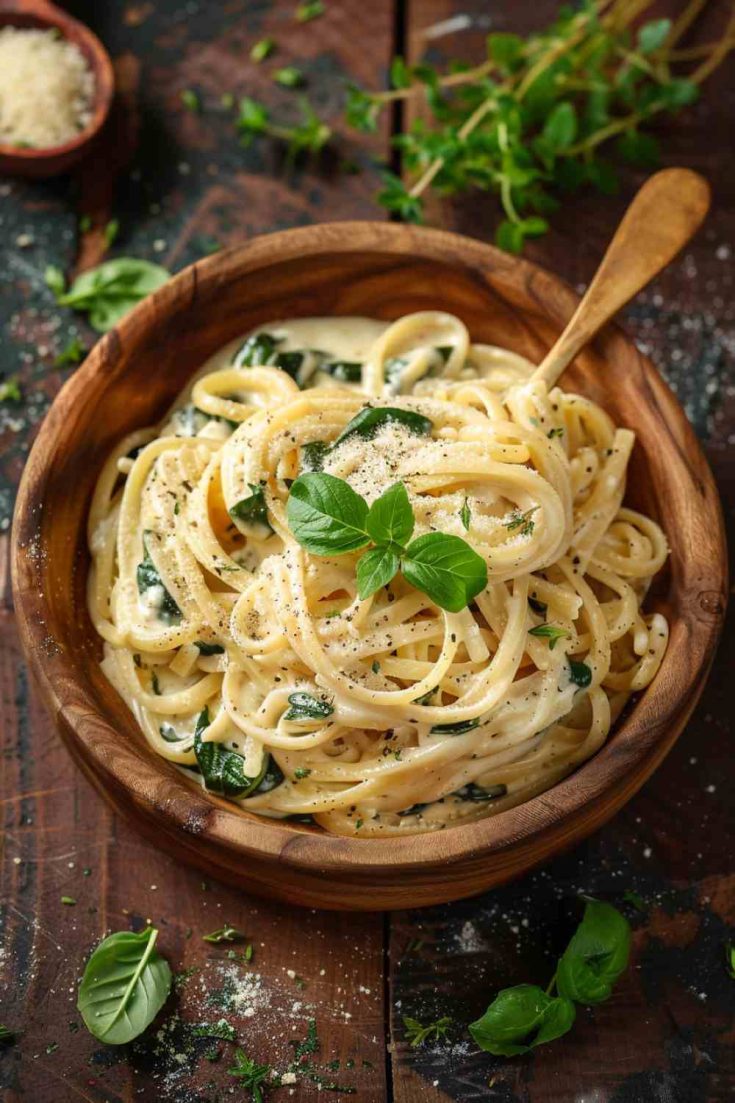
(664, 215)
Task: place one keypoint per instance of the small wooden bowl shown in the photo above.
(380, 270)
(41, 14)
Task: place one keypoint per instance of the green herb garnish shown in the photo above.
(549, 632)
(10, 391)
(222, 769)
(416, 1034)
(251, 512)
(224, 934)
(309, 136)
(73, 353)
(310, 9)
(147, 576)
(110, 232)
(521, 522)
(191, 100)
(209, 648)
(289, 76)
(252, 1076)
(579, 673)
(261, 50)
(328, 517)
(465, 515)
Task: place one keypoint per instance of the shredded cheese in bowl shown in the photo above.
(46, 88)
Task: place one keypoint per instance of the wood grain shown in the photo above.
(129, 379)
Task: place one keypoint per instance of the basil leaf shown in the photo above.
(224, 934)
(370, 419)
(550, 632)
(596, 955)
(478, 794)
(304, 706)
(251, 513)
(147, 576)
(390, 519)
(375, 569)
(256, 350)
(446, 569)
(579, 673)
(459, 728)
(209, 648)
(326, 515)
(221, 768)
(313, 455)
(124, 986)
(520, 1018)
(109, 291)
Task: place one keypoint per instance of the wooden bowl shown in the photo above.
(128, 380)
(41, 14)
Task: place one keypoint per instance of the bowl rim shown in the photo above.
(617, 770)
(104, 80)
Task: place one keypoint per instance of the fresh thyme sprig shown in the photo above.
(529, 121)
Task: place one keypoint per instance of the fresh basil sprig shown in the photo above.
(124, 986)
(328, 517)
(526, 1016)
(108, 292)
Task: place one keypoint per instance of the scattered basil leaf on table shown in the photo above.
(596, 956)
(417, 1033)
(526, 1016)
(7, 1037)
(225, 933)
(521, 1018)
(124, 986)
(106, 293)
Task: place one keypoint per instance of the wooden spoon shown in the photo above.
(664, 215)
(41, 14)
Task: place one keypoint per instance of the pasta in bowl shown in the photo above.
(373, 576)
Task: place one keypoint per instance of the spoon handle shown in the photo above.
(663, 216)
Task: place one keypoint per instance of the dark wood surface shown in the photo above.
(667, 1034)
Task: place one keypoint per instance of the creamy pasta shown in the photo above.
(253, 663)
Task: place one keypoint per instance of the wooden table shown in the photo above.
(175, 180)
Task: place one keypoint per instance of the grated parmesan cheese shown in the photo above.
(46, 88)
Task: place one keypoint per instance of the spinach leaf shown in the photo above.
(290, 362)
(445, 568)
(478, 794)
(222, 769)
(169, 733)
(345, 371)
(251, 513)
(147, 576)
(459, 728)
(326, 515)
(209, 648)
(539, 607)
(256, 350)
(109, 291)
(579, 673)
(304, 706)
(596, 955)
(124, 986)
(370, 419)
(521, 1018)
